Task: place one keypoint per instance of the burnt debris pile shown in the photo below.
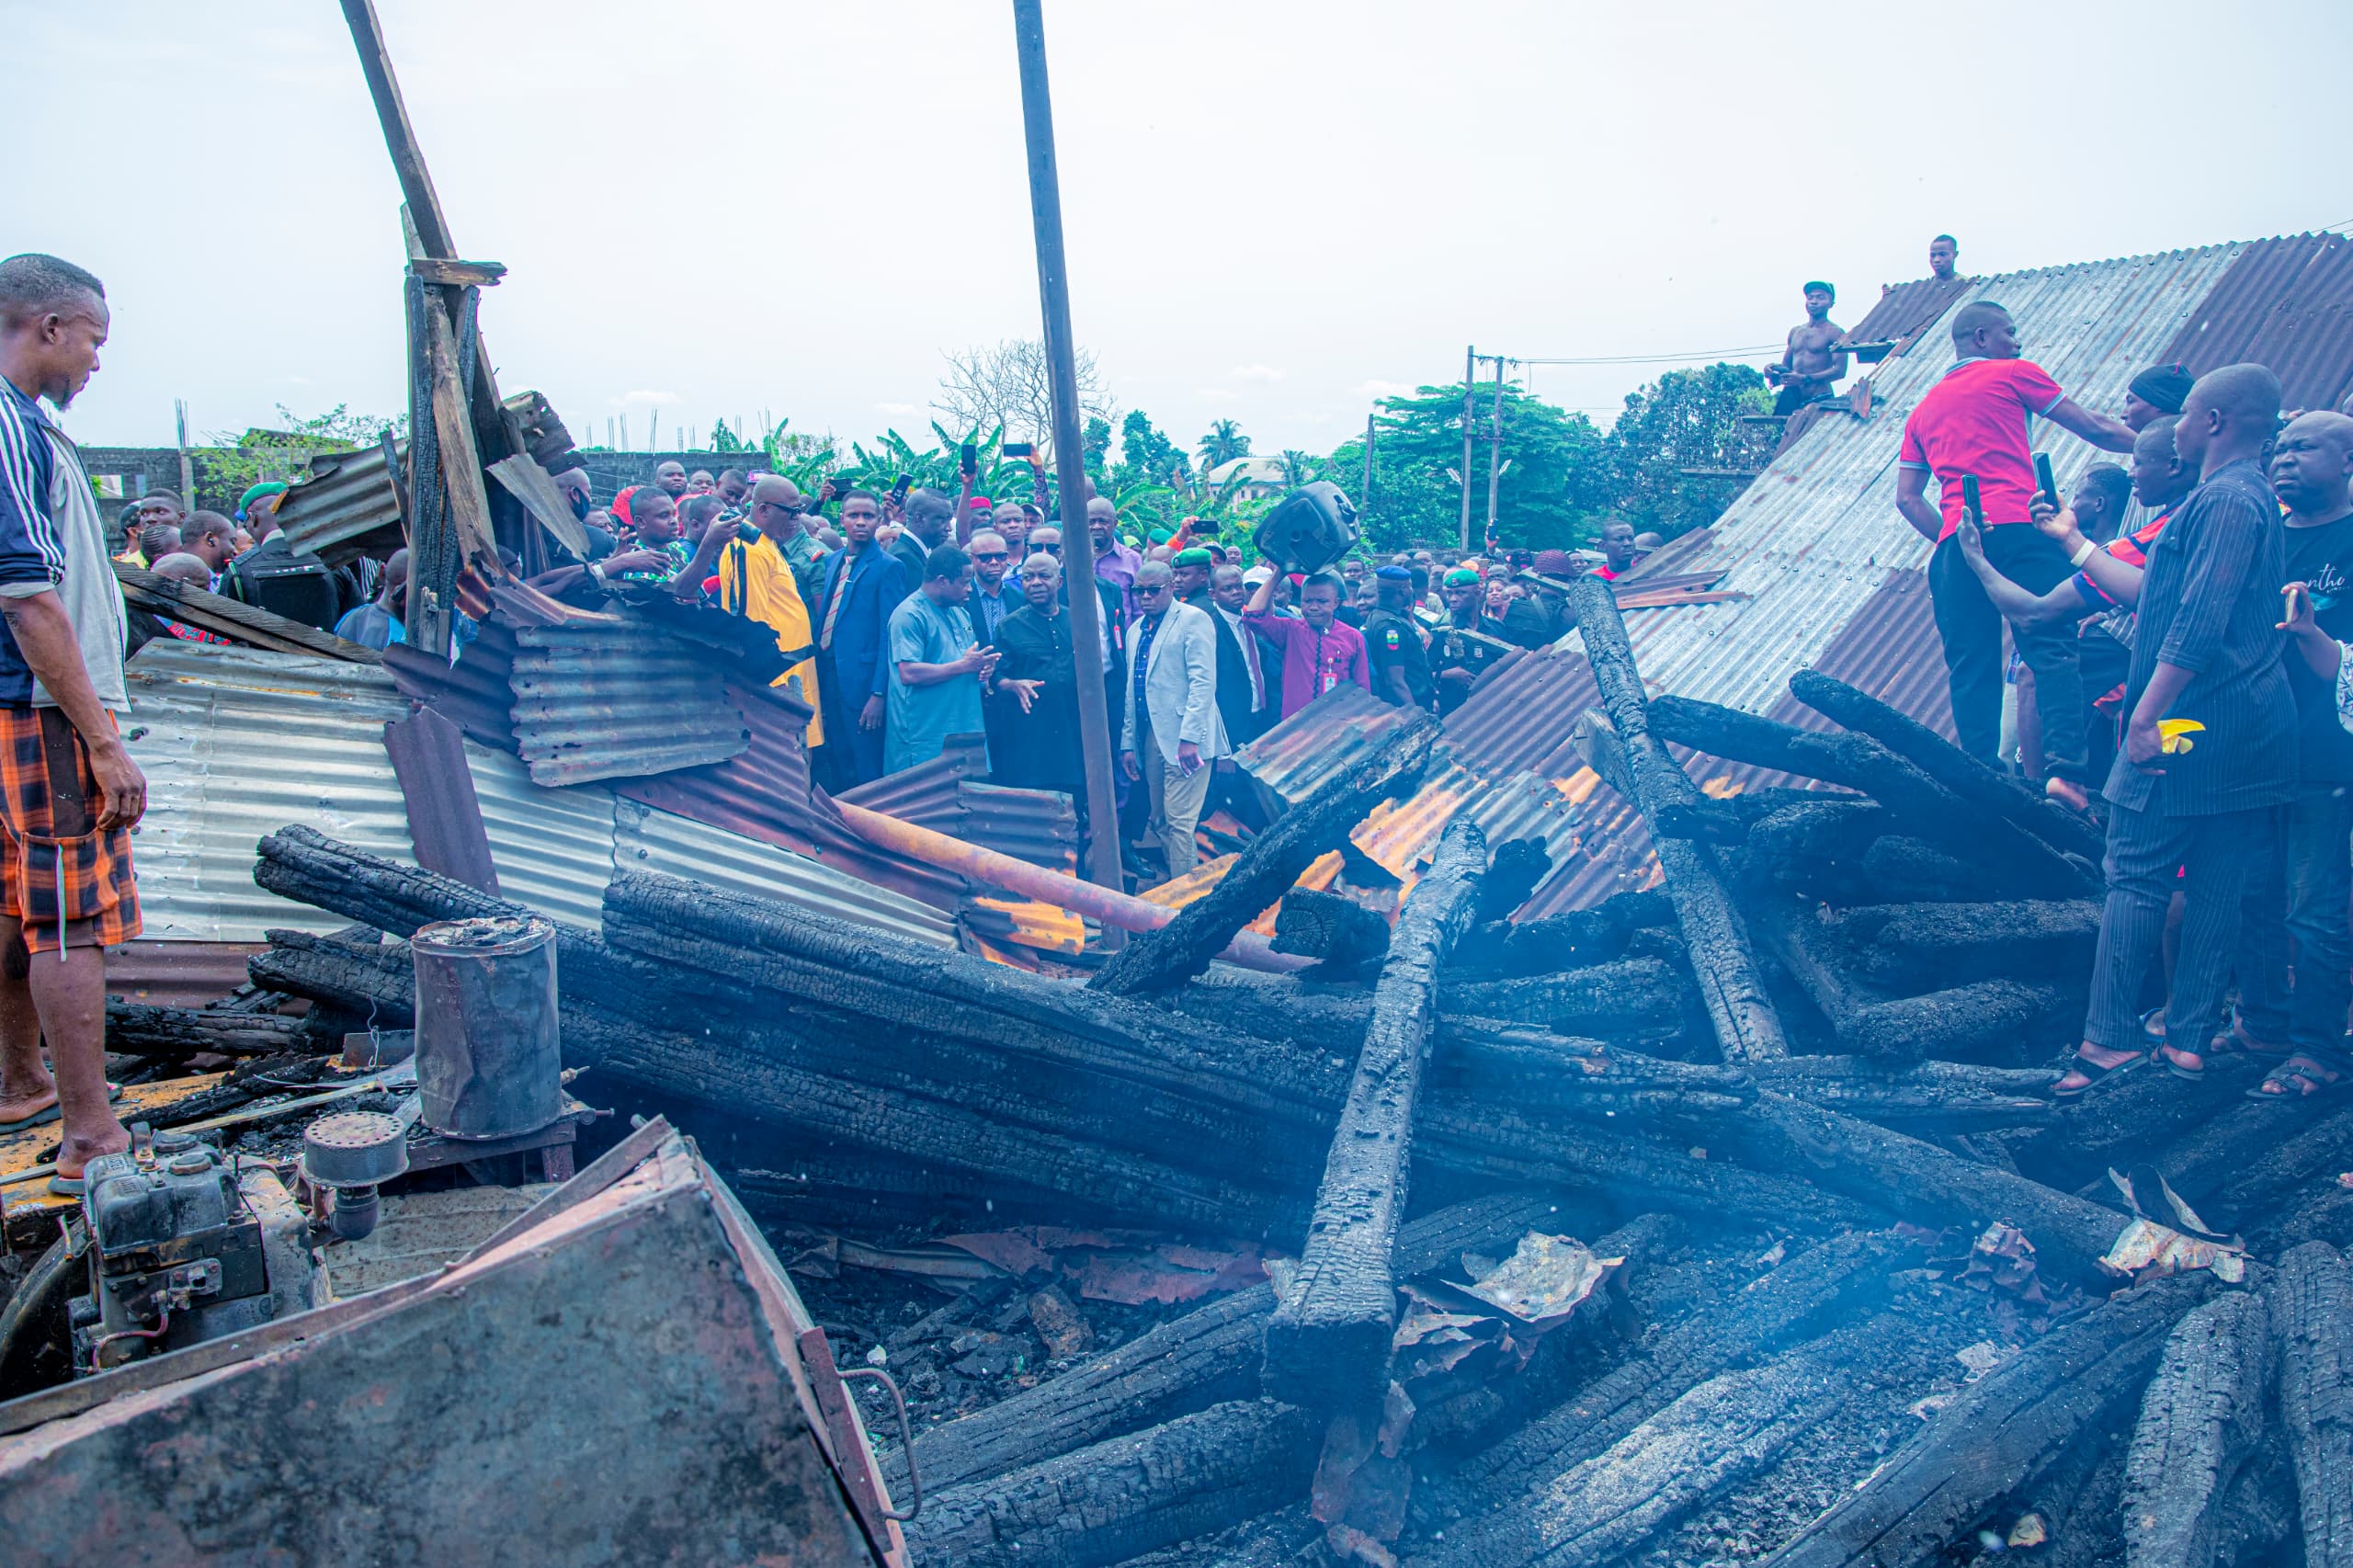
(1728, 1219)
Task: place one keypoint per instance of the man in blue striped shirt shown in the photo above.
(69, 791)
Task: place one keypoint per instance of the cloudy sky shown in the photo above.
(1276, 211)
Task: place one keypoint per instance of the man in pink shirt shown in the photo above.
(1977, 423)
(1319, 653)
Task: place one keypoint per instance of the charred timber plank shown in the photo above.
(1923, 1098)
(1927, 947)
(1266, 868)
(2200, 1420)
(374, 978)
(176, 601)
(1708, 1441)
(1985, 787)
(1128, 1495)
(175, 1034)
(1923, 804)
(1331, 927)
(1902, 867)
(1625, 999)
(1713, 930)
(1208, 1355)
(2314, 1307)
(1568, 940)
(1997, 1435)
(1328, 1347)
(1815, 1288)
(1918, 1181)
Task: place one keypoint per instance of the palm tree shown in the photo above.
(1225, 443)
(1295, 468)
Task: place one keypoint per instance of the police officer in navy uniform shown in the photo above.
(1394, 644)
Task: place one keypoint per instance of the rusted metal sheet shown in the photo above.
(347, 507)
(177, 974)
(2287, 304)
(617, 701)
(619, 1375)
(1889, 649)
(950, 794)
(428, 754)
(763, 792)
(1335, 732)
(1905, 310)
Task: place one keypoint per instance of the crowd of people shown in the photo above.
(2164, 651)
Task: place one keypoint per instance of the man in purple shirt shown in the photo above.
(1114, 563)
(1319, 653)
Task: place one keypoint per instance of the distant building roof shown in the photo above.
(1251, 471)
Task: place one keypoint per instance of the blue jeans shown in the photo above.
(2295, 956)
(2145, 851)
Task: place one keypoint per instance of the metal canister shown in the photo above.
(489, 1058)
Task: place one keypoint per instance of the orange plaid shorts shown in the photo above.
(68, 884)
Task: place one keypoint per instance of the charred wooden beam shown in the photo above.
(2314, 1307)
(1188, 1363)
(1721, 958)
(1128, 1495)
(175, 1034)
(1814, 1288)
(1900, 867)
(1569, 940)
(176, 601)
(1998, 1434)
(1923, 1098)
(1966, 1021)
(1266, 868)
(1328, 1347)
(1985, 786)
(2200, 1420)
(1516, 868)
(1926, 806)
(1342, 934)
(1927, 946)
(1629, 999)
(1814, 851)
(369, 978)
(1726, 820)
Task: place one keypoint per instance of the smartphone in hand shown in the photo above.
(1019, 448)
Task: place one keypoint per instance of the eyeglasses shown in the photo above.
(989, 555)
(1149, 591)
(1046, 549)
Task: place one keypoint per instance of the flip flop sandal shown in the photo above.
(2095, 1073)
(41, 1117)
(2235, 1041)
(2275, 1086)
(2153, 1026)
(2189, 1075)
(67, 1186)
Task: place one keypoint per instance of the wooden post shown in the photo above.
(431, 589)
(400, 140)
(1070, 460)
(188, 470)
(1494, 450)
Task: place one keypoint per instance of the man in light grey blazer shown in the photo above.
(1171, 733)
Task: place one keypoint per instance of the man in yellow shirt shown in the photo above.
(755, 580)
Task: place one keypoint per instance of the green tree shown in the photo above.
(238, 462)
(1685, 420)
(1147, 455)
(1550, 495)
(1223, 443)
(1095, 445)
(722, 440)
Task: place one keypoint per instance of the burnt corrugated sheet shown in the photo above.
(763, 792)
(177, 974)
(346, 506)
(475, 693)
(2287, 304)
(950, 794)
(1905, 310)
(926, 794)
(613, 702)
(1329, 736)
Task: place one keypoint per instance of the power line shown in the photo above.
(1660, 358)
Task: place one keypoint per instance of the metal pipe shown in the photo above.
(1070, 457)
(1108, 906)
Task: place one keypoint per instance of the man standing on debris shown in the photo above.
(1975, 424)
(1318, 654)
(937, 668)
(859, 585)
(2206, 650)
(1170, 731)
(69, 793)
(1617, 549)
(1400, 664)
(2297, 901)
(1810, 365)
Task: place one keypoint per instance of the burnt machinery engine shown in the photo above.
(183, 1248)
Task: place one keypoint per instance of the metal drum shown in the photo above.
(489, 1061)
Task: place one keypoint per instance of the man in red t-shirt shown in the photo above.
(1976, 421)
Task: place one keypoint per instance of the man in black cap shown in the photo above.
(2156, 393)
(1400, 664)
(1811, 367)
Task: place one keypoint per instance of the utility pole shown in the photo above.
(1069, 456)
(1470, 415)
(188, 470)
(1495, 450)
(1364, 497)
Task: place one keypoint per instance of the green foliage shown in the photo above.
(1556, 481)
(722, 440)
(1147, 455)
(1223, 444)
(237, 463)
(1095, 443)
(1685, 419)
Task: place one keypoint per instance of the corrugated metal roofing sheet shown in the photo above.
(763, 793)
(552, 848)
(648, 840)
(237, 742)
(926, 794)
(615, 701)
(1337, 729)
(2287, 304)
(950, 794)
(1903, 309)
(1890, 651)
(347, 502)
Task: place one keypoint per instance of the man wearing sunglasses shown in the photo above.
(1169, 730)
(994, 596)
